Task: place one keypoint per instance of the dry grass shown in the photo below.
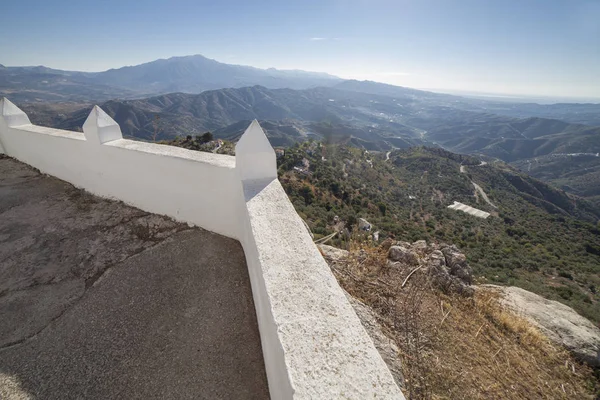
(461, 348)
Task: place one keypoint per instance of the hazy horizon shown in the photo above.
(538, 49)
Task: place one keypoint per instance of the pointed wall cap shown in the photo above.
(100, 128)
(255, 157)
(11, 114)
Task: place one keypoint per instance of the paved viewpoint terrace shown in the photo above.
(102, 300)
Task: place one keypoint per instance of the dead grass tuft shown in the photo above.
(460, 348)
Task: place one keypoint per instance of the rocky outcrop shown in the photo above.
(446, 265)
(457, 264)
(449, 270)
(560, 323)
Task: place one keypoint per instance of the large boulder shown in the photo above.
(403, 255)
(559, 322)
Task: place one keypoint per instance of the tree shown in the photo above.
(351, 221)
(307, 193)
(207, 137)
(335, 189)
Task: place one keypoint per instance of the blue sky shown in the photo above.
(526, 47)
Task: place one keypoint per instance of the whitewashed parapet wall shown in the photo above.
(313, 343)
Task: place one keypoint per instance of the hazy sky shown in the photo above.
(545, 47)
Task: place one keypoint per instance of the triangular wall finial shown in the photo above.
(254, 155)
(11, 114)
(100, 128)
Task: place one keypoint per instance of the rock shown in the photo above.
(449, 270)
(420, 246)
(376, 236)
(364, 225)
(333, 254)
(404, 244)
(436, 259)
(457, 262)
(403, 254)
(559, 322)
(385, 346)
(386, 244)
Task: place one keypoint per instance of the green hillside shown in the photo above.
(538, 237)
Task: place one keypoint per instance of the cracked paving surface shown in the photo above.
(102, 300)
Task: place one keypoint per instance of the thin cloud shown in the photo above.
(315, 39)
(393, 73)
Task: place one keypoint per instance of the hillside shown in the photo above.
(575, 113)
(377, 120)
(443, 344)
(577, 173)
(586, 114)
(295, 115)
(538, 238)
(30, 84)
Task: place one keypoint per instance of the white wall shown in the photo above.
(313, 344)
(189, 186)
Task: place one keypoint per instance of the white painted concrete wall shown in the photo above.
(314, 346)
(189, 186)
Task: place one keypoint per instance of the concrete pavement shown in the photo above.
(101, 300)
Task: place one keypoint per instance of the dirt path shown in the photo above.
(480, 190)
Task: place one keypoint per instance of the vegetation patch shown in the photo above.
(456, 347)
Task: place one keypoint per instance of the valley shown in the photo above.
(366, 115)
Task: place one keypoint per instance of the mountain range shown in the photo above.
(184, 96)
(379, 121)
(189, 74)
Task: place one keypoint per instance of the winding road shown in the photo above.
(477, 187)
